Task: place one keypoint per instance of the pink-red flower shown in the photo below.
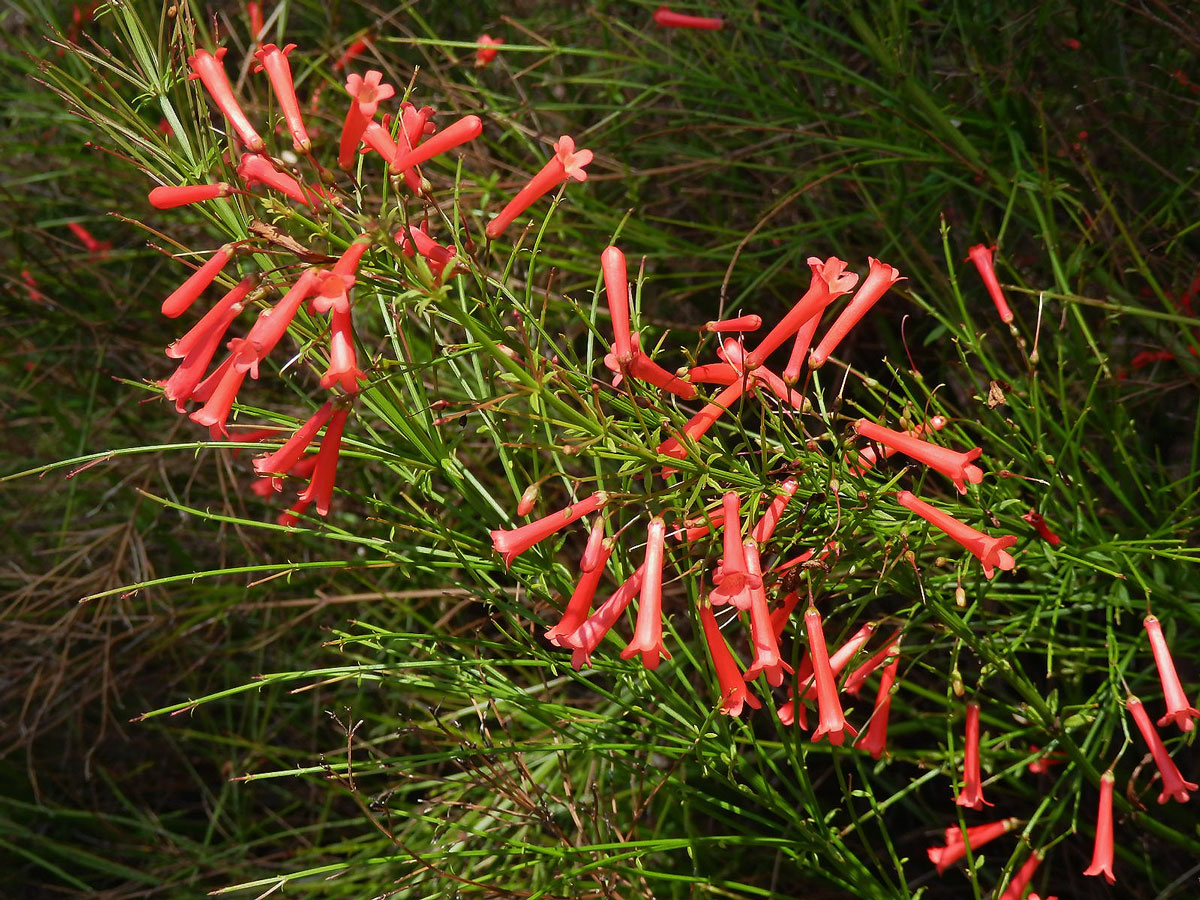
(587, 637)
(465, 129)
(867, 457)
(739, 324)
(566, 163)
(982, 255)
(275, 61)
(767, 658)
(585, 592)
(830, 280)
(210, 69)
(255, 169)
(487, 49)
(198, 346)
(367, 92)
(1102, 852)
(971, 794)
(958, 467)
(735, 693)
(976, 836)
(1179, 710)
(647, 635)
(874, 741)
(511, 543)
(185, 295)
(991, 552)
(880, 277)
(1020, 881)
(668, 19)
(733, 581)
(1034, 518)
(831, 721)
(765, 527)
(97, 248)
(169, 197)
(320, 487)
(271, 324)
(1174, 786)
(218, 316)
(353, 52)
(285, 458)
(343, 361)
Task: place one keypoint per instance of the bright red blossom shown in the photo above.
(880, 278)
(320, 488)
(487, 49)
(274, 60)
(668, 19)
(511, 543)
(832, 723)
(185, 295)
(982, 255)
(168, 197)
(566, 163)
(210, 69)
(990, 551)
(976, 836)
(956, 466)
(1102, 852)
(874, 741)
(735, 693)
(1179, 710)
(581, 600)
(1174, 786)
(647, 636)
(971, 794)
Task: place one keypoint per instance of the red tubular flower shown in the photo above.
(285, 458)
(781, 614)
(954, 465)
(218, 391)
(1042, 764)
(734, 581)
(528, 498)
(741, 323)
(511, 543)
(255, 14)
(368, 92)
(616, 290)
(805, 679)
(880, 277)
(668, 19)
(487, 50)
(210, 69)
(765, 527)
(800, 347)
(956, 847)
(168, 197)
(587, 637)
(566, 163)
(465, 129)
(275, 61)
(272, 324)
(353, 52)
(96, 248)
(292, 515)
(1102, 852)
(414, 125)
(990, 551)
(767, 658)
(982, 255)
(644, 368)
(185, 295)
(1020, 881)
(343, 363)
(254, 169)
(832, 722)
(218, 314)
(1173, 783)
(971, 794)
(867, 457)
(202, 347)
(320, 488)
(735, 693)
(265, 487)
(1179, 710)
(698, 424)
(859, 676)
(647, 634)
(581, 600)
(875, 739)
(334, 290)
(378, 137)
(437, 257)
(593, 554)
(713, 373)
(830, 280)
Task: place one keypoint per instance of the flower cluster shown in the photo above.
(321, 289)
